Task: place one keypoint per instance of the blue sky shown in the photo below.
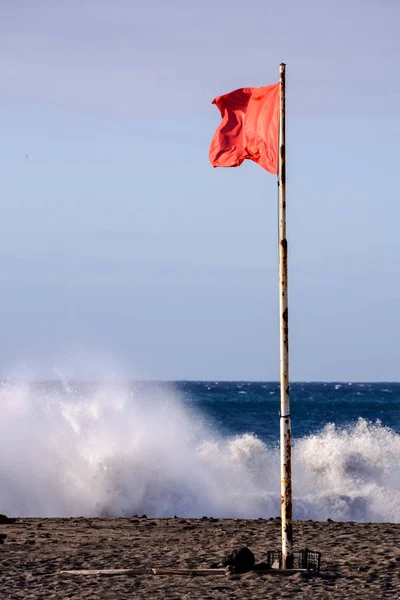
(123, 251)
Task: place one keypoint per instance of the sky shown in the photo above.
(123, 253)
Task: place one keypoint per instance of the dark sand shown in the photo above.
(358, 560)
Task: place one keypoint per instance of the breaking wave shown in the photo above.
(118, 451)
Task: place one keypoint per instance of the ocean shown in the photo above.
(198, 449)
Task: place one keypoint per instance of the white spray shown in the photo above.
(114, 450)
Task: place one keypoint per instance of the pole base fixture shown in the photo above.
(302, 559)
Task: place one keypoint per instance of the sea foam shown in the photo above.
(112, 450)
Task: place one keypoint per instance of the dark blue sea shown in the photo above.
(198, 448)
(246, 407)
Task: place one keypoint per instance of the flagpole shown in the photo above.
(285, 428)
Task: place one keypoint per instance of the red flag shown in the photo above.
(249, 128)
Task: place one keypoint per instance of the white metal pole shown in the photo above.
(285, 428)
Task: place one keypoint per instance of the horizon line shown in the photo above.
(262, 381)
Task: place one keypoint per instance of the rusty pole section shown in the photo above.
(285, 429)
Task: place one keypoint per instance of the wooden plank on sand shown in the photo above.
(107, 572)
(138, 571)
(190, 572)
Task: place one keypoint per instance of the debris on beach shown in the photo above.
(4, 519)
(242, 560)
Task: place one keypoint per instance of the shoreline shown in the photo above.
(358, 559)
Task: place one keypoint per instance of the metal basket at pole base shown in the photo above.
(302, 559)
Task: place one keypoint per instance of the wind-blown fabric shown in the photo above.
(249, 128)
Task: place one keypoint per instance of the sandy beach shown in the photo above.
(359, 560)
